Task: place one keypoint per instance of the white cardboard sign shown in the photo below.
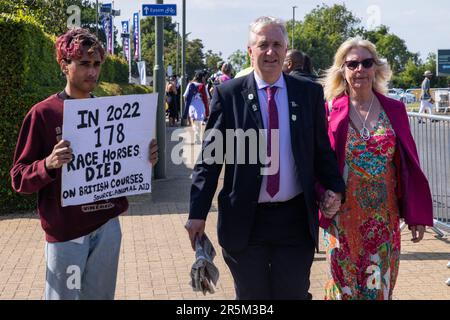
(110, 139)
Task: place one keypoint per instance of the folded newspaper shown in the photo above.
(203, 272)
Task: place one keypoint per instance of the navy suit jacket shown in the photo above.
(234, 106)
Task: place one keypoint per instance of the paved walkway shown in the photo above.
(156, 256)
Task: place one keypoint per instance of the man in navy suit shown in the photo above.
(268, 219)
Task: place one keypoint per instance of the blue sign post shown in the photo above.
(159, 10)
(443, 63)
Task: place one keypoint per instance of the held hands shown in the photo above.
(153, 152)
(61, 154)
(417, 233)
(330, 204)
(195, 227)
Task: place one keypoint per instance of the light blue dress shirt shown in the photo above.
(289, 183)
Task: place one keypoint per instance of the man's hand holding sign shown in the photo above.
(61, 154)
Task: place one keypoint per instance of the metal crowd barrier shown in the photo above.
(432, 136)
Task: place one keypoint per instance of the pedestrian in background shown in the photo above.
(196, 103)
(308, 68)
(426, 101)
(226, 73)
(171, 100)
(295, 65)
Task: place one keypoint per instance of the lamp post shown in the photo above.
(183, 63)
(178, 48)
(159, 84)
(293, 25)
(96, 18)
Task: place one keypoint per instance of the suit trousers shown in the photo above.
(276, 264)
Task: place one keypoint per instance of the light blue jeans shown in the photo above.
(84, 268)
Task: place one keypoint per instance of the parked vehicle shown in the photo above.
(409, 97)
(392, 93)
(401, 95)
(415, 93)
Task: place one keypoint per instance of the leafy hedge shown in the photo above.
(29, 74)
(113, 89)
(115, 69)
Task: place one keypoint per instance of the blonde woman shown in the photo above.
(378, 159)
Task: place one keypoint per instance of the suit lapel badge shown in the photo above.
(294, 104)
(255, 107)
(251, 96)
(294, 117)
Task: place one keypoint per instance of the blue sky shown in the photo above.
(223, 24)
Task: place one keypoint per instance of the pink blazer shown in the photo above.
(413, 190)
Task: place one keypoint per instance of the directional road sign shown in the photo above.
(159, 10)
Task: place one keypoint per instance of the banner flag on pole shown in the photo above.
(105, 21)
(136, 36)
(108, 28)
(125, 41)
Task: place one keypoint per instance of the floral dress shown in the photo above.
(363, 241)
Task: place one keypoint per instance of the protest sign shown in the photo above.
(110, 139)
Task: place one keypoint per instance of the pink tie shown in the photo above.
(273, 181)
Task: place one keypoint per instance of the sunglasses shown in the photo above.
(366, 63)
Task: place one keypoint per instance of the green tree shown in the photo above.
(148, 44)
(391, 47)
(170, 46)
(238, 60)
(211, 60)
(323, 30)
(412, 76)
(194, 57)
(52, 15)
(194, 49)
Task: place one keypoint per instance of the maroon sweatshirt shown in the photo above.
(37, 137)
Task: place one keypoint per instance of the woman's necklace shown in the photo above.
(364, 132)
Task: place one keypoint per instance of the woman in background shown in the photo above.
(171, 99)
(196, 103)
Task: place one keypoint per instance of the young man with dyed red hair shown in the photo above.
(83, 241)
